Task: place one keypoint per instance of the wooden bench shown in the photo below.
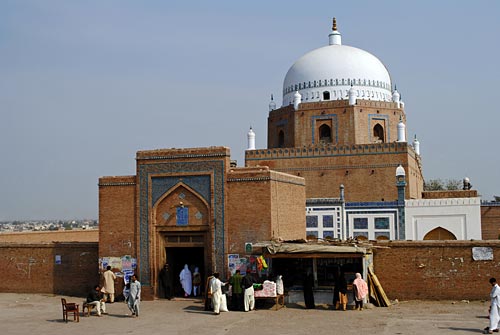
(87, 306)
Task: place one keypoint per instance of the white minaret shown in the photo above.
(272, 104)
(401, 130)
(416, 145)
(396, 97)
(352, 96)
(334, 37)
(251, 139)
(297, 99)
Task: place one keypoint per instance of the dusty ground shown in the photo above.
(41, 314)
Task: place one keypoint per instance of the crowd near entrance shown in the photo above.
(177, 258)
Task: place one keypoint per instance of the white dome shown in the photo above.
(333, 69)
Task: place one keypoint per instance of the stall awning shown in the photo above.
(274, 248)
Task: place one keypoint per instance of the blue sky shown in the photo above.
(86, 84)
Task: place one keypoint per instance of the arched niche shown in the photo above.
(378, 133)
(281, 139)
(167, 208)
(325, 133)
(440, 233)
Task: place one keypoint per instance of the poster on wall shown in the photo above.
(123, 266)
(235, 262)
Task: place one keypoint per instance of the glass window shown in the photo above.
(382, 236)
(327, 234)
(360, 223)
(312, 221)
(361, 235)
(328, 221)
(382, 223)
(312, 235)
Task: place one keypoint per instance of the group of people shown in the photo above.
(190, 281)
(98, 296)
(340, 299)
(242, 293)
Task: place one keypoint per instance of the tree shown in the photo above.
(453, 184)
(434, 185)
(441, 185)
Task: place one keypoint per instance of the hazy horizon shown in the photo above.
(85, 85)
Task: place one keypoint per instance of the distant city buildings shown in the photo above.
(46, 225)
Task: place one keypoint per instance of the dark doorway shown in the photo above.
(325, 134)
(281, 139)
(378, 134)
(177, 257)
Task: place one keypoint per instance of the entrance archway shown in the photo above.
(177, 257)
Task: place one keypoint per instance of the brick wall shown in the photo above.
(91, 235)
(449, 194)
(435, 270)
(368, 172)
(490, 221)
(32, 268)
(262, 204)
(117, 216)
(288, 215)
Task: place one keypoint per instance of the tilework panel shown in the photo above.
(161, 185)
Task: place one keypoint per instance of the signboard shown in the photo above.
(482, 254)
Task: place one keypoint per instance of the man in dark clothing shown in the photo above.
(166, 281)
(340, 292)
(236, 290)
(96, 298)
(248, 299)
(308, 290)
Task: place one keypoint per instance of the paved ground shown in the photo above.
(41, 314)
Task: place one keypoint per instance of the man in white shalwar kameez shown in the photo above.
(134, 297)
(216, 288)
(186, 280)
(494, 307)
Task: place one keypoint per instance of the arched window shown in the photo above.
(325, 134)
(378, 134)
(281, 139)
(439, 233)
(326, 95)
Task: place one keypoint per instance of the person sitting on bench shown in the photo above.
(96, 298)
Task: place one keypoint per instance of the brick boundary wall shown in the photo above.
(435, 270)
(407, 270)
(32, 268)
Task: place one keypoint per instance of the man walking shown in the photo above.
(494, 307)
(109, 285)
(134, 297)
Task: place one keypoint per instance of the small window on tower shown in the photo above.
(281, 139)
(326, 95)
(325, 134)
(378, 134)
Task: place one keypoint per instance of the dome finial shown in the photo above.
(334, 38)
